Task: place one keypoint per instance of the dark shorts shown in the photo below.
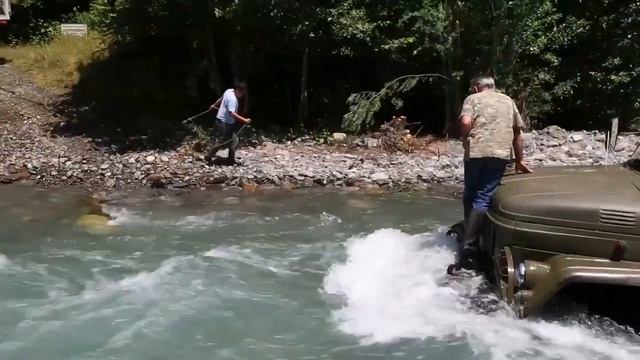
(482, 177)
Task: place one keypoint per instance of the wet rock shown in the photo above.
(156, 181)
(178, 185)
(95, 224)
(219, 179)
(380, 178)
(353, 181)
(322, 181)
(249, 187)
(32, 168)
(11, 178)
(15, 176)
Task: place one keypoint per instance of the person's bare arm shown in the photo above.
(466, 125)
(240, 119)
(518, 148)
(216, 105)
(466, 117)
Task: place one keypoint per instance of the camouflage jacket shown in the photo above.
(494, 117)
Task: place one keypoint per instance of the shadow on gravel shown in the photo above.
(135, 99)
(4, 61)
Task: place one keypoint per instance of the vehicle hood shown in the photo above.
(602, 198)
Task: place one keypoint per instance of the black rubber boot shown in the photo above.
(470, 245)
(473, 230)
(211, 155)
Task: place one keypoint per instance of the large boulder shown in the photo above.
(339, 138)
(555, 132)
(380, 178)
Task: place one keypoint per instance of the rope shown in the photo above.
(203, 134)
(236, 133)
(199, 131)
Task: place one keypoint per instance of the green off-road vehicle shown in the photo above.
(564, 226)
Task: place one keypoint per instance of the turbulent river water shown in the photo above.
(281, 275)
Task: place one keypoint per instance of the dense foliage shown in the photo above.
(331, 63)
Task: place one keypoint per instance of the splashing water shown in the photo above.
(123, 216)
(196, 277)
(394, 287)
(4, 261)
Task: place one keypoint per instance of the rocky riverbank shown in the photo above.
(28, 153)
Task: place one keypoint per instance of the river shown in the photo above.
(279, 275)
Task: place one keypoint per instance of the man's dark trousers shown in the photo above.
(482, 177)
(226, 137)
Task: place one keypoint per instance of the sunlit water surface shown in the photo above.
(281, 275)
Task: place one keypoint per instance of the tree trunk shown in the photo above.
(203, 9)
(496, 35)
(304, 78)
(449, 60)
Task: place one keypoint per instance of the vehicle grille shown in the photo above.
(617, 217)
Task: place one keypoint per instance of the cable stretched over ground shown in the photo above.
(203, 134)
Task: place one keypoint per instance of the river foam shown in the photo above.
(4, 261)
(394, 287)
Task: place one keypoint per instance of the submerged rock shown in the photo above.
(95, 224)
(178, 185)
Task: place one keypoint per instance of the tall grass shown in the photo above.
(56, 65)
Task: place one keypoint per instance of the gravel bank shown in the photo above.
(28, 153)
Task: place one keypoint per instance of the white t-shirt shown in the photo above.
(229, 104)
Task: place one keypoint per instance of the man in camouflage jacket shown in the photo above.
(491, 125)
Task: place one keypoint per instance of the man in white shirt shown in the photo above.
(227, 122)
